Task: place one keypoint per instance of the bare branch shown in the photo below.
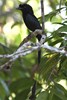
(27, 48)
(30, 36)
(42, 14)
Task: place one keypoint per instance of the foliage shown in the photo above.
(51, 77)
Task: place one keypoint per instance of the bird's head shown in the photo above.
(25, 8)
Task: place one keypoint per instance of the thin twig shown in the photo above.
(60, 5)
(42, 14)
(33, 96)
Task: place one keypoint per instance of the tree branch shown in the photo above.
(27, 48)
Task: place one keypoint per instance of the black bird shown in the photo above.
(31, 22)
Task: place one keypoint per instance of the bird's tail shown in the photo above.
(39, 51)
(39, 56)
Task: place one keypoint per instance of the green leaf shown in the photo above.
(58, 23)
(4, 85)
(59, 91)
(42, 96)
(55, 97)
(21, 85)
(66, 3)
(4, 91)
(62, 29)
(47, 66)
(59, 40)
(22, 95)
(51, 15)
(65, 64)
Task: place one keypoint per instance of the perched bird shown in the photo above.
(31, 22)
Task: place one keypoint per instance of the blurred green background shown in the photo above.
(16, 82)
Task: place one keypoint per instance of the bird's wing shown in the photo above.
(32, 22)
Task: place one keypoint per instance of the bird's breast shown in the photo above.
(31, 22)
